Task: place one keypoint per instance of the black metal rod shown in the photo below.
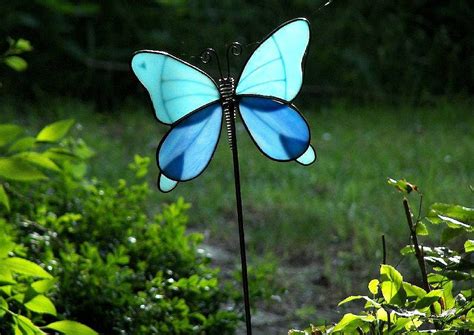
(240, 220)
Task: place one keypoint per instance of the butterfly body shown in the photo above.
(227, 92)
(195, 106)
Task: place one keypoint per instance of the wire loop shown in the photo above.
(207, 55)
(235, 48)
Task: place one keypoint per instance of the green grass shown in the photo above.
(333, 211)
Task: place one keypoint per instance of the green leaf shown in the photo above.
(38, 159)
(59, 154)
(413, 291)
(469, 246)
(449, 300)
(42, 305)
(462, 214)
(383, 315)
(350, 322)
(7, 289)
(402, 185)
(4, 198)
(400, 324)
(55, 131)
(8, 132)
(3, 307)
(374, 286)
(470, 315)
(139, 165)
(392, 285)
(71, 328)
(23, 144)
(6, 277)
(27, 325)
(16, 329)
(436, 278)
(19, 170)
(42, 286)
(453, 223)
(407, 250)
(421, 229)
(429, 299)
(25, 267)
(23, 45)
(77, 170)
(16, 63)
(5, 247)
(410, 250)
(358, 297)
(19, 297)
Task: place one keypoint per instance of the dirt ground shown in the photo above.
(309, 297)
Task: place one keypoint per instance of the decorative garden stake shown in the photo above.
(194, 105)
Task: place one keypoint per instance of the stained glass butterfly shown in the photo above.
(189, 100)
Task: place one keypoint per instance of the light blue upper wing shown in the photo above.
(176, 88)
(277, 128)
(276, 67)
(187, 148)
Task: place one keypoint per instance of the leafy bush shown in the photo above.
(24, 288)
(117, 268)
(443, 304)
(25, 158)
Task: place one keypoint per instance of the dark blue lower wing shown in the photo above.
(187, 148)
(277, 128)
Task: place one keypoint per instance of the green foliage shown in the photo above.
(15, 48)
(265, 285)
(444, 306)
(25, 290)
(24, 158)
(111, 264)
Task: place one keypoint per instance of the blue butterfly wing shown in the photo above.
(277, 128)
(176, 88)
(187, 148)
(276, 67)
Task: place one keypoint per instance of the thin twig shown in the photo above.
(418, 252)
(384, 250)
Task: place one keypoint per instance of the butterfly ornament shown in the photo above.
(196, 106)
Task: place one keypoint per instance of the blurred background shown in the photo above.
(387, 92)
(360, 49)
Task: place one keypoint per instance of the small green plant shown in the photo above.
(30, 159)
(12, 58)
(443, 303)
(25, 307)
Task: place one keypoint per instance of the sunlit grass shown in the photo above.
(332, 211)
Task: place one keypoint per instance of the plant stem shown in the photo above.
(418, 250)
(418, 253)
(384, 250)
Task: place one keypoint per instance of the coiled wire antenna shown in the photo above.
(235, 49)
(207, 55)
(226, 85)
